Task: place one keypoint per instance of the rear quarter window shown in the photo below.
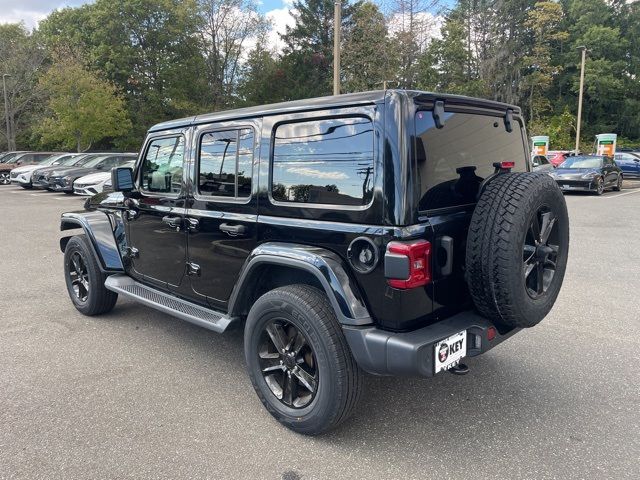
(326, 162)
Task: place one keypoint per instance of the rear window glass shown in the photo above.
(327, 162)
(453, 160)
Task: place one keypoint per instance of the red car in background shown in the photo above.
(556, 157)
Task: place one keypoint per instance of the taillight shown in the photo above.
(507, 165)
(407, 265)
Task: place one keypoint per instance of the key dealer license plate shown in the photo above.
(450, 351)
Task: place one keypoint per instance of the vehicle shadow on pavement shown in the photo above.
(495, 399)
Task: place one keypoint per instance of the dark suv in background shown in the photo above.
(395, 232)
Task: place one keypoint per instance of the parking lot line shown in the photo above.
(623, 194)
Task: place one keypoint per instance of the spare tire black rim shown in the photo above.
(288, 363)
(540, 252)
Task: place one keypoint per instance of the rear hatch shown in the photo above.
(454, 150)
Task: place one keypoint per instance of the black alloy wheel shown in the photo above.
(517, 248)
(288, 364)
(540, 252)
(299, 361)
(599, 186)
(85, 280)
(618, 186)
(5, 178)
(79, 276)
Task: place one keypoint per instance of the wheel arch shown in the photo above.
(99, 230)
(272, 265)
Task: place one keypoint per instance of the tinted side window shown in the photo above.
(324, 162)
(226, 159)
(162, 166)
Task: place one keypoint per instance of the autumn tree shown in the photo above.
(83, 108)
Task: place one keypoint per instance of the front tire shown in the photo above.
(599, 186)
(298, 360)
(85, 281)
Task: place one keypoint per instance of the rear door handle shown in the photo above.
(233, 230)
(173, 222)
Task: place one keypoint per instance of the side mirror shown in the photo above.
(122, 179)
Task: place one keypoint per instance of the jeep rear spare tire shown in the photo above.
(517, 248)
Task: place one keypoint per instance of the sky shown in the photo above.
(32, 11)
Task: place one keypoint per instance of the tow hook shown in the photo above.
(459, 369)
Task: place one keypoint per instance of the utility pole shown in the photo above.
(584, 55)
(337, 22)
(6, 111)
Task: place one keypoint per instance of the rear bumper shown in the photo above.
(413, 353)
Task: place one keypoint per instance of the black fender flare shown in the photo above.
(326, 266)
(100, 232)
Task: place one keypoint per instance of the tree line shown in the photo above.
(99, 75)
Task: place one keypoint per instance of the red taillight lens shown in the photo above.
(491, 333)
(507, 165)
(419, 255)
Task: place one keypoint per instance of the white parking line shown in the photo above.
(623, 194)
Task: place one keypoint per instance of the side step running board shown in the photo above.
(204, 317)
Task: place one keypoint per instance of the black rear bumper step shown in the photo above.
(412, 353)
(167, 303)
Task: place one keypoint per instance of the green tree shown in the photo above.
(262, 77)
(367, 54)
(84, 109)
(22, 57)
(543, 23)
(308, 55)
(147, 48)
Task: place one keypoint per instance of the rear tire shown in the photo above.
(5, 178)
(517, 248)
(303, 316)
(618, 186)
(85, 281)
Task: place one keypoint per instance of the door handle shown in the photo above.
(173, 222)
(233, 230)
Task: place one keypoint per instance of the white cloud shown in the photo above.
(280, 18)
(15, 15)
(312, 172)
(426, 24)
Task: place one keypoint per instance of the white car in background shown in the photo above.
(22, 175)
(96, 182)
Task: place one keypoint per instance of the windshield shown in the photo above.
(54, 160)
(95, 161)
(582, 162)
(452, 161)
(72, 160)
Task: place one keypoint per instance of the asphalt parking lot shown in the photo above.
(138, 394)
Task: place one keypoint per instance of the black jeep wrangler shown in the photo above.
(392, 232)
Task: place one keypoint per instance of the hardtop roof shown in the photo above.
(349, 99)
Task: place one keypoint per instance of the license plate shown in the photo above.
(450, 351)
(568, 187)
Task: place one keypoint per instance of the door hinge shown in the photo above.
(193, 269)
(132, 252)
